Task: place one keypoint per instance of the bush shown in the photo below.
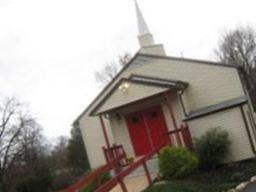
(176, 162)
(104, 177)
(212, 148)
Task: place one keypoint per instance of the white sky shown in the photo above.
(50, 49)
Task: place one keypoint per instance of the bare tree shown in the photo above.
(238, 48)
(105, 75)
(18, 133)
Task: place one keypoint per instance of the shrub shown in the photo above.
(212, 148)
(104, 177)
(176, 162)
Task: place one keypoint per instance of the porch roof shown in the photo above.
(135, 88)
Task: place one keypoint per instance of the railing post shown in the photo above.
(147, 173)
(122, 184)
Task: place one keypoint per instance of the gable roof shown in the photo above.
(159, 84)
(138, 54)
(190, 60)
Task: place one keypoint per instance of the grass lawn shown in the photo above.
(190, 186)
(221, 179)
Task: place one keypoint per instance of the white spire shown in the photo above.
(146, 40)
(142, 25)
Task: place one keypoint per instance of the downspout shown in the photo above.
(250, 106)
(180, 93)
(251, 118)
(245, 90)
(247, 129)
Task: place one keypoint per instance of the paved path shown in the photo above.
(251, 188)
(137, 180)
(135, 183)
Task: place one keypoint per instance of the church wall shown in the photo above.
(121, 134)
(93, 139)
(208, 85)
(230, 120)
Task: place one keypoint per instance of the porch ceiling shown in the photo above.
(135, 88)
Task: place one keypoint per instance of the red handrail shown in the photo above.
(185, 133)
(120, 176)
(116, 154)
(86, 180)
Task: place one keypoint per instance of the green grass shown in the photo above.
(218, 180)
(190, 186)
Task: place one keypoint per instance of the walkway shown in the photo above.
(134, 184)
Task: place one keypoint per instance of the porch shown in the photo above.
(143, 122)
(144, 115)
(137, 175)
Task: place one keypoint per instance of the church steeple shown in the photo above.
(145, 38)
(142, 25)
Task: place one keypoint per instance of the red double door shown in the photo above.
(147, 129)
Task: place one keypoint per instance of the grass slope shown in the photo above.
(221, 179)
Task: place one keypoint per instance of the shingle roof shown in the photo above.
(215, 108)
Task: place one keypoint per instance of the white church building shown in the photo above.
(157, 99)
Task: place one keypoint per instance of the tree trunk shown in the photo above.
(3, 187)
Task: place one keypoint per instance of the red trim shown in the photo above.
(120, 176)
(185, 135)
(104, 131)
(147, 129)
(115, 152)
(87, 179)
(147, 173)
(169, 105)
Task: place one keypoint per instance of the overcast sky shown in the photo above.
(50, 49)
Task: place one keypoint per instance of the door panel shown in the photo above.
(157, 126)
(147, 129)
(138, 133)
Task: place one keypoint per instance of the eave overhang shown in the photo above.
(147, 81)
(216, 108)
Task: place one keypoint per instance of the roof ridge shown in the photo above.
(200, 61)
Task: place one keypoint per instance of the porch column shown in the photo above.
(169, 105)
(104, 131)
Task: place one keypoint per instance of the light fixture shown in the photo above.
(124, 87)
